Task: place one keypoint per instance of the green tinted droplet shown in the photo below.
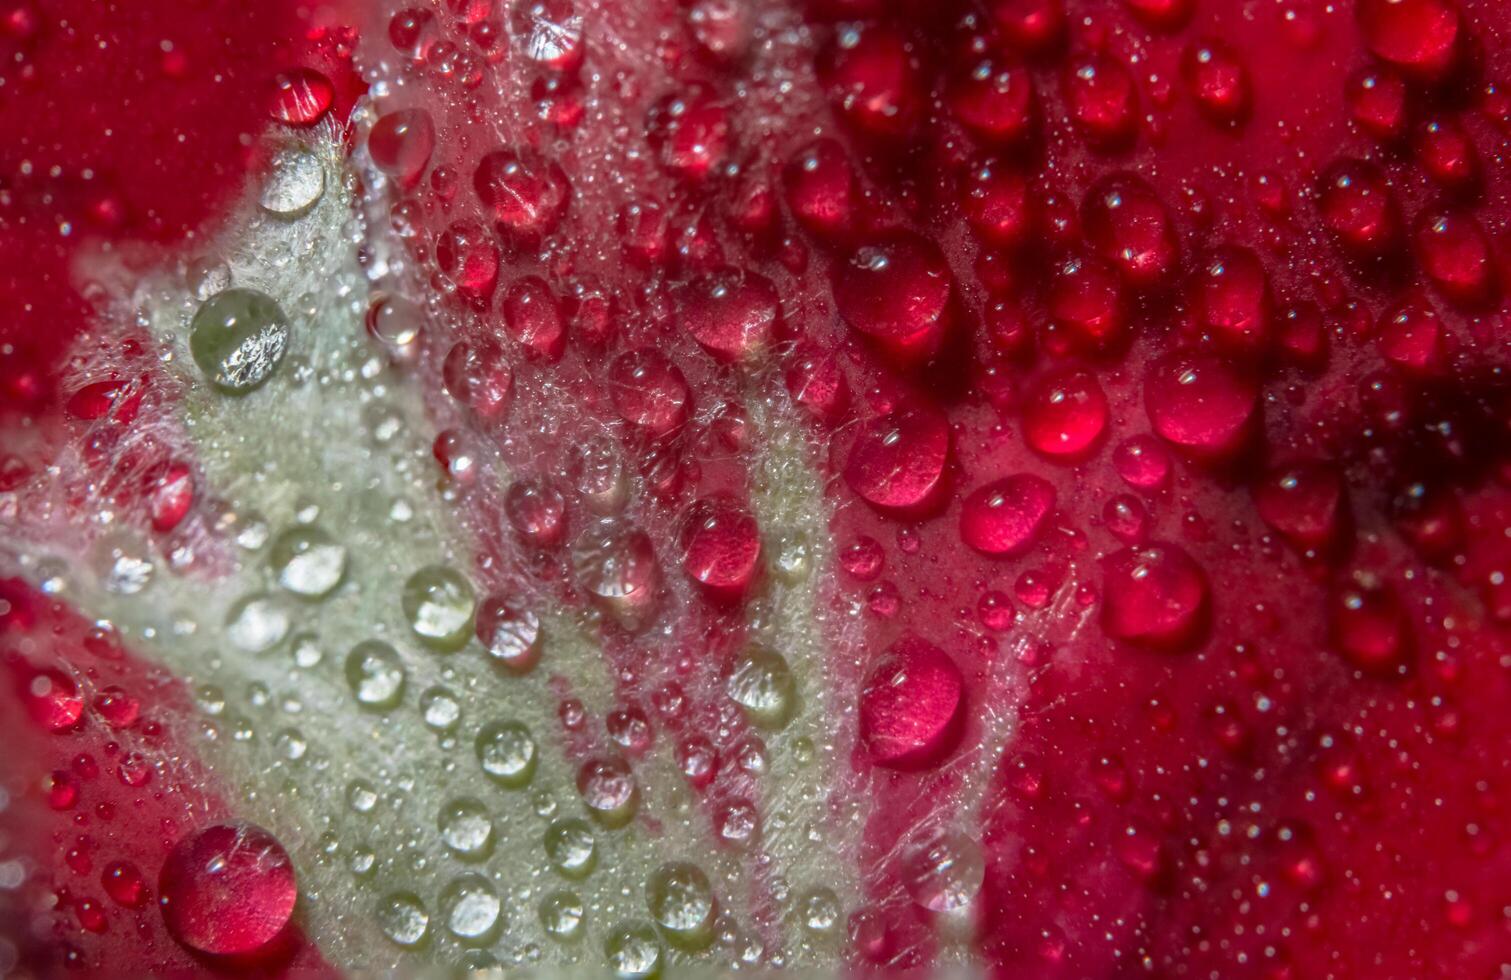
(682, 903)
(376, 675)
(438, 603)
(308, 562)
(237, 338)
(506, 751)
(762, 684)
(571, 847)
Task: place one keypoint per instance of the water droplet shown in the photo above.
(633, 951)
(308, 561)
(571, 847)
(1006, 516)
(911, 705)
(506, 751)
(227, 890)
(819, 911)
(466, 829)
(438, 603)
(945, 871)
(563, 915)
(401, 143)
(897, 463)
(762, 684)
(403, 918)
(897, 292)
(376, 675)
(511, 636)
(257, 623)
(681, 901)
(238, 337)
(471, 909)
(608, 790)
(1156, 594)
(294, 184)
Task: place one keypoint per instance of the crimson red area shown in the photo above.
(1224, 693)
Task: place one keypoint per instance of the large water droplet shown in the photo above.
(237, 338)
(227, 890)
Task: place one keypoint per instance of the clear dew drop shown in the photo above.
(681, 900)
(466, 829)
(376, 675)
(471, 909)
(308, 562)
(295, 182)
(306, 650)
(562, 915)
(439, 603)
(403, 919)
(633, 951)
(571, 847)
(944, 871)
(440, 709)
(763, 685)
(819, 911)
(257, 623)
(506, 751)
(361, 796)
(238, 337)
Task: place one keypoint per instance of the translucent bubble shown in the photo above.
(295, 182)
(608, 790)
(633, 951)
(571, 847)
(438, 603)
(466, 829)
(308, 562)
(471, 909)
(306, 650)
(403, 918)
(257, 623)
(762, 684)
(361, 796)
(506, 751)
(562, 915)
(682, 902)
(440, 709)
(376, 675)
(819, 911)
(238, 337)
(944, 871)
